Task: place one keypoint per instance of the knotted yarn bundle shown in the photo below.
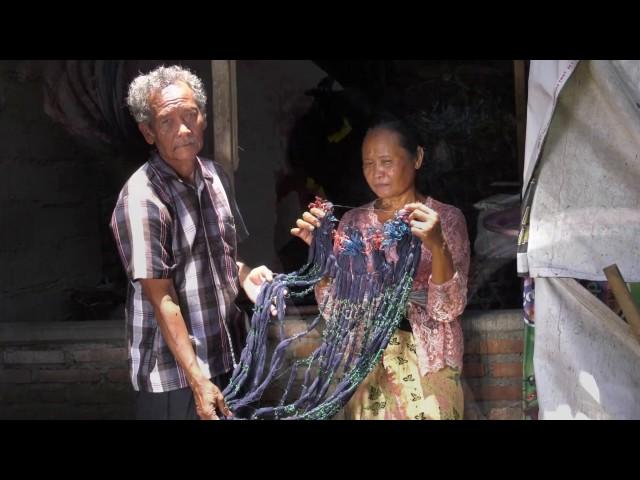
(370, 274)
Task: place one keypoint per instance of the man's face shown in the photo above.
(176, 124)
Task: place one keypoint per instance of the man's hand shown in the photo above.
(254, 280)
(162, 295)
(209, 400)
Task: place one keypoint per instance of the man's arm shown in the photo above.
(164, 299)
(243, 271)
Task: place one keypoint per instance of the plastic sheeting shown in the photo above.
(585, 213)
(586, 360)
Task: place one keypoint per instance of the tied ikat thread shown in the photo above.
(362, 310)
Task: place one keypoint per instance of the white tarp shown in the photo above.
(586, 360)
(586, 208)
(546, 79)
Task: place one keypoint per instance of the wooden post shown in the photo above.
(624, 298)
(225, 114)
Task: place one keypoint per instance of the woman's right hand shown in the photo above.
(307, 224)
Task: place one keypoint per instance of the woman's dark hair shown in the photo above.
(409, 138)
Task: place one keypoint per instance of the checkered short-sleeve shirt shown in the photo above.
(167, 228)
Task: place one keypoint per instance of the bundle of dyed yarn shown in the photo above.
(370, 275)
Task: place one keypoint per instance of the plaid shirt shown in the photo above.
(166, 228)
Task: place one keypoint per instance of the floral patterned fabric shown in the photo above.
(395, 390)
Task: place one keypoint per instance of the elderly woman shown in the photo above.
(418, 376)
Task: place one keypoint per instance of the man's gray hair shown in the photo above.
(143, 86)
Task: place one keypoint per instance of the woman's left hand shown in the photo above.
(425, 224)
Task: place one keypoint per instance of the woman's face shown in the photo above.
(390, 170)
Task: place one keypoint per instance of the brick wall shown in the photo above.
(49, 210)
(493, 363)
(78, 369)
(492, 372)
(64, 370)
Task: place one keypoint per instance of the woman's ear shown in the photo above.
(419, 157)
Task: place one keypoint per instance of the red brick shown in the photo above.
(66, 411)
(33, 393)
(302, 349)
(99, 394)
(471, 370)
(497, 392)
(101, 355)
(506, 413)
(292, 328)
(55, 396)
(495, 345)
(34, 356)
(506, 370)
(67, 376)
(119, 375)
(15, 376)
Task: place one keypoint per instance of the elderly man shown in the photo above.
(176, 227)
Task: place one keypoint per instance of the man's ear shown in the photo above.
(147, 133)
(204, 116)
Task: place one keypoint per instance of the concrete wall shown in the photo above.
(270, 98)
(57, 192)
(49, 213)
